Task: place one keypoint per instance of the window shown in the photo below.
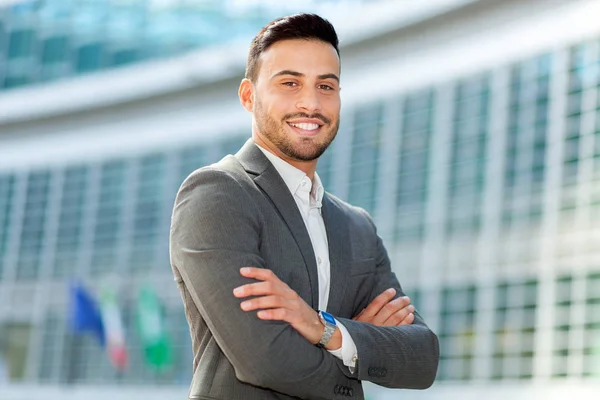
(467, 158)
(90, 57)
(55, 54)
(108, 230)
(20, 57)
(526, 142)
(14, 346)
(591, 350)
(149, 209)
(21, 43)
(52, 336)
(514, 330)
(562, 326)
(368, 128)
(70, 223)
(411, 195)
(190, 159)
(34, 221)
(7, 183)
(457, 333)
(55, 49)
(325, 167)
(579, 80)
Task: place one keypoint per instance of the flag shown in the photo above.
(84, 313)
(113, 329)
(153, 335)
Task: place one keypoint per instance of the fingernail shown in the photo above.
(245, 305)
(238, 291)
(261, 314)
(391, 290)
(244, 270)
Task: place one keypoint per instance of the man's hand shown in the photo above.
(277, 301)
(383, 311)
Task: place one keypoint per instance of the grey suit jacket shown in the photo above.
(239, 212)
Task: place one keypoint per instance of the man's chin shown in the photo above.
(306, 155)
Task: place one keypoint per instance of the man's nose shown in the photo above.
(309, 100)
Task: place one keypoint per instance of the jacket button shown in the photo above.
(336, 389)
(351, 392)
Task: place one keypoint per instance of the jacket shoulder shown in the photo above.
(228, 171)
(345, 206)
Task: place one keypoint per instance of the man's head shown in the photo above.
(292, 87)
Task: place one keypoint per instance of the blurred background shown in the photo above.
(470, 131)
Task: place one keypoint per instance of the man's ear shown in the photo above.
(246, 94)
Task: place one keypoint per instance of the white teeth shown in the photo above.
(306, 127)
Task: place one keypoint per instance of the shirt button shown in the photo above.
(354, 358)
(319, 260)
(303, 183)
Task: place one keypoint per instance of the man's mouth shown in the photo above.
(306, 128)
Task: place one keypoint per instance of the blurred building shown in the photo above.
(470, 131)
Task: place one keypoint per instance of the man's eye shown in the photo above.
(290, 84)
(325, 87)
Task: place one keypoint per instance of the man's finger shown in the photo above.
(391, 308)
(358, 315)
(281, 314)
(378, 302)
(262, 274)
(396, 318)
(256, 289)
(264, 302)
(410, 318)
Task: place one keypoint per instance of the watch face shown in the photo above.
(328, 318)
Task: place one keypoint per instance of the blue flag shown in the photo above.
(85, 314)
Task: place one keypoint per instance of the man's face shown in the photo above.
(296, 105)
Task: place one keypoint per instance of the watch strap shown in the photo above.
(329, 328)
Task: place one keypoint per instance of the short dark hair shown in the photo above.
(299, 26)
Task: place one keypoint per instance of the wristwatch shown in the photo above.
(329, 322)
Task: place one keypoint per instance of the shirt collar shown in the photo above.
(293, 177)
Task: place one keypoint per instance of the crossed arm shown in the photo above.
(276, 301)
(215, 231)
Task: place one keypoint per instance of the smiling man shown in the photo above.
(288, 290)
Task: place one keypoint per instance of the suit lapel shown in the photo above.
(269, 180)
(338, 239)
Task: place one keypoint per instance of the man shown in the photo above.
(288, 290)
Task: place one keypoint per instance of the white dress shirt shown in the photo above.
(308, 196)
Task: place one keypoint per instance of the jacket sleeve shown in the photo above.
(405, 356)
(216, 230)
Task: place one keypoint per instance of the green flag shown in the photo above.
(154, 337)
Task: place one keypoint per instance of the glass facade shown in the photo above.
(366, 147)
(111, 217)
(457, 333)
(413, 168)
(514, 329)
(45, 40)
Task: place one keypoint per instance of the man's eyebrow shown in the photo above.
(300, 75)
(288, 72)
(329, 76)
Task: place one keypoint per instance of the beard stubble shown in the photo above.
(308, 149)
